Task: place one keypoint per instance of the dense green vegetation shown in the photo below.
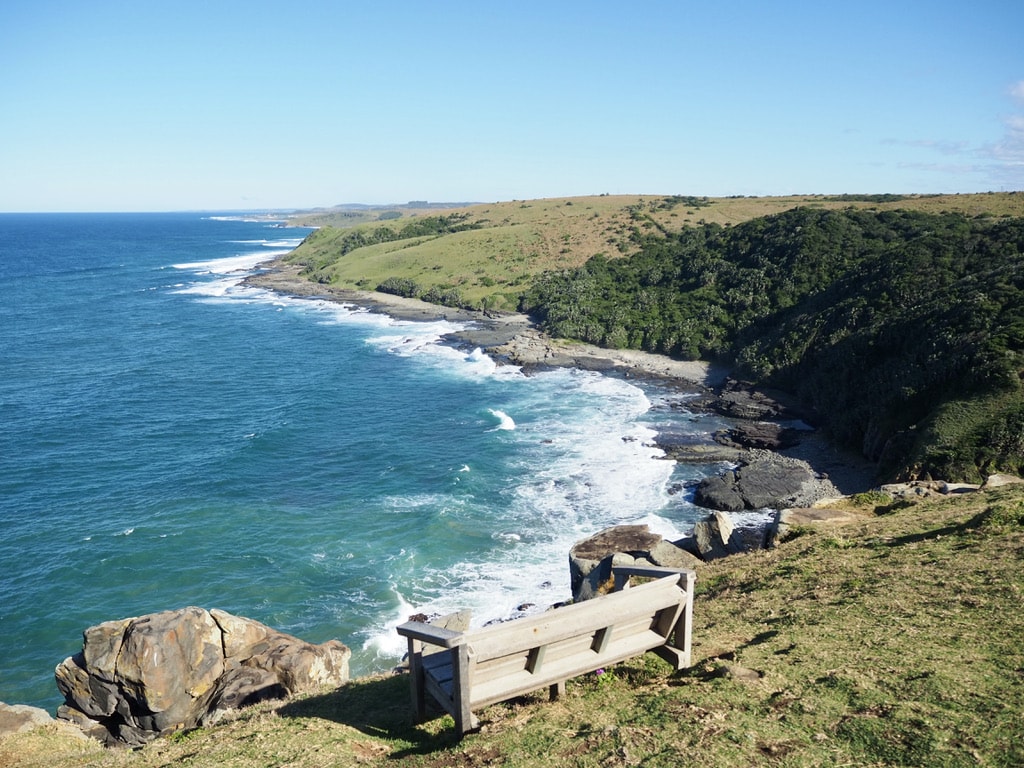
(904, 330)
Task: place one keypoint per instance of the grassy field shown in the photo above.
(891, 640)
(519, 239)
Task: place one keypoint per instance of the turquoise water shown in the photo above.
(172, 438)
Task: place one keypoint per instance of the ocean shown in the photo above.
(170, 437)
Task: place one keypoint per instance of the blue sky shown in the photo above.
(135, 105)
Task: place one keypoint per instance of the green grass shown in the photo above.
(893, 640)
(520, 239)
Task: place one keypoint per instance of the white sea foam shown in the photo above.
(231, 265)
(247, 218)
(227, 273)
(505, 422)
(582, 459)
(585, 463)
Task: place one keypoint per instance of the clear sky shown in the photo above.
(135, 105)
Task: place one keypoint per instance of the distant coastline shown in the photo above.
(511, 337)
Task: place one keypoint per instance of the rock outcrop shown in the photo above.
(138, 678)
(766, 435)
(591, 559)
(740, 400)
(999, 480)
(756, 485)
(21, 718)
(713, 536)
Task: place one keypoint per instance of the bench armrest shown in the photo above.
(428, 633)
(655, 572)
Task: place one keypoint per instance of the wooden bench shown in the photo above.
(483, 666)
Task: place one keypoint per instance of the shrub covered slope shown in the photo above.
(903, 329)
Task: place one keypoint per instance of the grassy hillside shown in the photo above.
(891, 640)
(520, 239)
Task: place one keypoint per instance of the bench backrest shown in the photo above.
(529, 653)
(569, 621)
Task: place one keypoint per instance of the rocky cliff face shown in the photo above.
(138, 678)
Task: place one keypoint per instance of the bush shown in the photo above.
(400, 286)
(448, 297)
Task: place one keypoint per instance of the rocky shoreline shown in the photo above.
(776, 458)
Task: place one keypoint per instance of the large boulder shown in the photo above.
(138, 678)
(591, 560)
(758, 485)
(713, 535)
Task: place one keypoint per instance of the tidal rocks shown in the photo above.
(138, 678)
(758, 485)
(739, 400)
(758, 434)
(690, 448)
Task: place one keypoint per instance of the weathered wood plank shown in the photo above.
(461, 682)
(552, 626)
(535, 659)
(428, 633)
(579, 646)
(519, 683)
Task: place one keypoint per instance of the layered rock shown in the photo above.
(138, 678)
(766, 435)
(591, 560)
(758, 485)
(740, 400)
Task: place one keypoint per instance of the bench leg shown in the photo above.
(557, 690)
(464, 719)
(417, 683)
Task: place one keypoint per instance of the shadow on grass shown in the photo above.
(977, 522)
(378, 706)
